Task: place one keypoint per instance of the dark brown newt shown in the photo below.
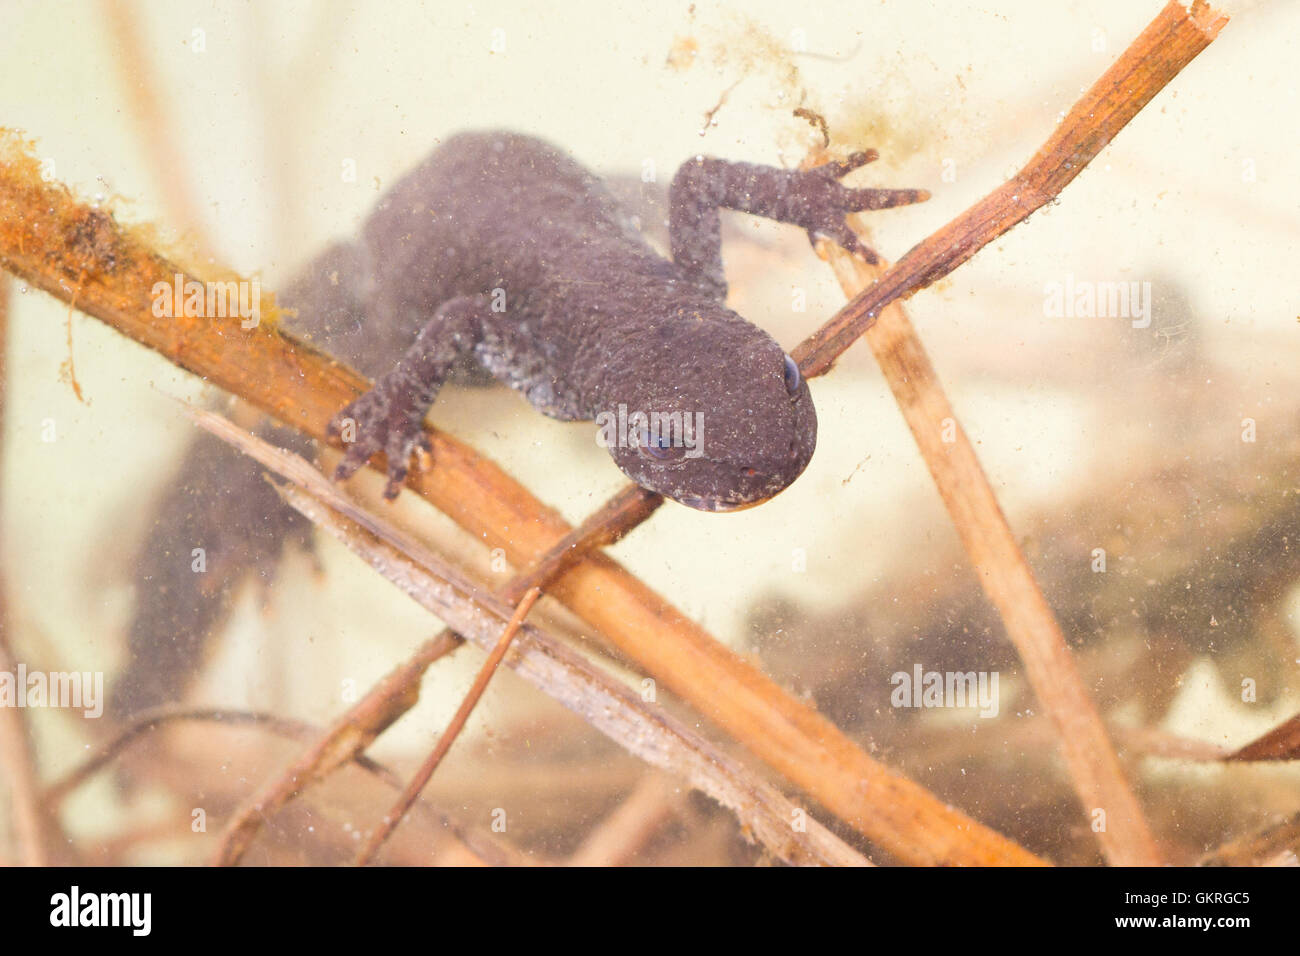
(501, 251)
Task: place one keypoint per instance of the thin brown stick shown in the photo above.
(107, 751)
(1169, 43)
(611, 522)
(448, 737)
(1154, 742)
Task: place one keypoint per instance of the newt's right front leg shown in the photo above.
(390, 417)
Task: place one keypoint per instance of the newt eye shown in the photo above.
(792, 377)
(660, 448)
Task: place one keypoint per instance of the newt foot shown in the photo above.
(384, 420)
(830, 202)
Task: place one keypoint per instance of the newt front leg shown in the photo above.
(390, 417)
(811, 198)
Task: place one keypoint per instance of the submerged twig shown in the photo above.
(605, 704)
(457, 723)
(611, 522)
(345, 740)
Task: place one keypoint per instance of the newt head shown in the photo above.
(709, 411)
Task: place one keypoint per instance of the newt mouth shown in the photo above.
(717, 505)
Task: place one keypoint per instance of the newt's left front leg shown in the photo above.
(811, 198)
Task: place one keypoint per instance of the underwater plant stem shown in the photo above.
(448, 737)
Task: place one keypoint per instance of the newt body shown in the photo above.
(501, 251)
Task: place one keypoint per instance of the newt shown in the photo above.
(500, 257)
(500, 251)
